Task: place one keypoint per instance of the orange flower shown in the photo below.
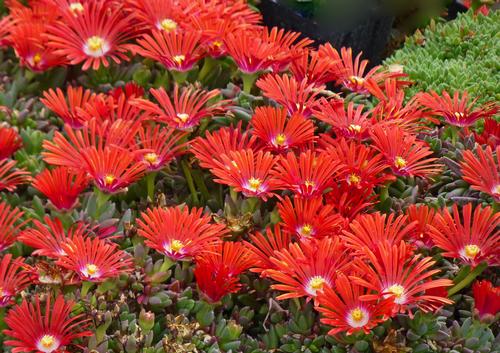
(10, 224)
(10, 178)
(10, 142)
(13, 279)
(490, 134)
(312, 67)
(483, 171)
(424, 218)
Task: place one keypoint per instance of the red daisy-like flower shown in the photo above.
(278, 133)
(96, 36)
(263, 246)
(309, 217)
(490, 134)
(13, 279)
(309, 175)
(346, 311)
(486, 300)
(403, 153)
(349, 204)
(10, 142)
(424, 218)
(214, 30)
(162, 15)
(352, 123)
(312, 67)
(185, 110)
(179, 233)
(111, 108)
(218, 268)
(458, 110)
(307, 267)
(483, 171)
(470, 237)
(10, 178)
(6, 24)
(30, 328)
(176, 50)
(93, 259)
(112, 168)
(47, 272)
(248, 172)
(157, 146)
(130, 90)
(48, 238)
(61, 186)
(10, 224)
(296, 96)
(392, 271)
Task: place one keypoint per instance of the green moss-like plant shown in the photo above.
(462, 54)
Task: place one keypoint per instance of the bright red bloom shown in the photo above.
(309, 218)
(129, 90)
(307, 267)
(309, 175)
(369, 230)
(486, 299)
(13, 279)
(33, 329)
(483, 171)
(61, 186)
(111, 108)
(65, 106)
(213, 33)
(248, 172)
(94, 259)
(209, 149)
(47, 272)
(48, 238)
(347, 203)
(490, 134)
(313, 68)
(157, 146)
(404, 154)
(9, 216)
(456, 111)
(296, 96)
(176, 50)
(278, 133)
(391, 271)
(10, 178)
(6, 24)
(346, 311)
(112, 168)
(162, 15)
(185, 110)
(473, 240)
(218, 268)
(424, 218)
(96, 36)
(179, 233)
(10, 142)
(352, 124)
(263, 247)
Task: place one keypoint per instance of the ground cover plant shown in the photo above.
(177, 178)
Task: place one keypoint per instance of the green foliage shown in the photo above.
(458, 55)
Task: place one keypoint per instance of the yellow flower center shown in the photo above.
(459, 115)
(37, 58)
(357, 315)
(168, 25)
(76, 8)
(397, 290)
(151, 157)
(280, 139)
(354, 179)
(354, 127)
(47, 341)
(496, 189)
(309, 183)
(179, 59)
(306, 230)
(95, 43)
(91, 269)
(183, 117)
(317, 283)
(109, 179)
(176, 245)
(399, 162)
(471, 251)
(217, 43)
(355, 80)
(254, 184)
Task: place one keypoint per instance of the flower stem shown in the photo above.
(150, 182)
(190, 182)
(248, 81)
(180, 76)
(101, 200)
(208, 66)
(86, 285)
(468, 279)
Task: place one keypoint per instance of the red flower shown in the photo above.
(352, 124)
(61, 186)
(347, 203)
(307, 267)
(176, 50)
(48, 237)
(483, 171)
(473, 240)
(66, 106)
(110, 108)
(346, 311)
(33, 329)
(163, 15)
(403, 153)
(278, 133)
(248, 172)
(97, 35)
(10, 142)
(490, 134)
(312, 67)
(94, 259)
(457, 110)
(185, 110)
(178, 232)
(213, 33)
(9, 216)
(218, 268)
(158, 146)
(486, 299)
(129, 90)
(13, 279)
(308, 176)
(369, 230)
(6, 24)
(112, 168)
(309, 218)
(297, 96)
(263, 247)
(10, 178)
(391, 271)
(424, 218)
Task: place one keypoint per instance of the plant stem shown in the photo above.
(248, 81)
(208, 66)
(167, 263)
(86, 285)
(150, 182)
(101, 200)
(468, 279)
(179, 76)
(189, 180)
